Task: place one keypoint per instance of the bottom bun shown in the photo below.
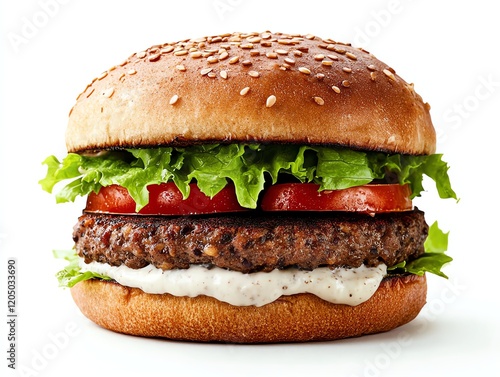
(296, 318)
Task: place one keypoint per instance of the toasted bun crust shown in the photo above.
(301, 89)
(303, 317)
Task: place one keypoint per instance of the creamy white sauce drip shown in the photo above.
(350, 286)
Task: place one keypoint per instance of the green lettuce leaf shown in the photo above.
(247, 166)
(432, 260)
(411, 169)
(72, 274)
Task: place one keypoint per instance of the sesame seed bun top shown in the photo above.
(257, 87)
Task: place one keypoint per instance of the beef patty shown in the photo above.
(260, 242)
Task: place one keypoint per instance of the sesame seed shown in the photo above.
(272, 55)
(328, 63)
(246, 62)
(223, 55)
(90, 93)
(254, 74)
(247, 46)
(310, 37)
(181, 68)
(282, 52)
(266, 35)
(346, 83)
(211, 75)
(320, 101)
(154, 57)
(196, 54)
(234, 60)
(336, 89)
(271, 100)
(285, 41)
(346, 69)
(333, 57)
(297, 53)
(371, 67)
(174, 99)
(351, 56)
(320, 76)
(305, 70)
(212, 59)
(223, 74)
(108, 92)
(254, 40)
(254, 53)
(181, 52)
(373, 75)
(141, 54)
(132, 71)
(389, 74)
(102, 75)
(319, 57)
(289, 60)
(266, 44)
(205, 71)
(167, 49)
(245, 90)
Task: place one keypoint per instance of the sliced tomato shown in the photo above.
(164, 199)
(372, 198)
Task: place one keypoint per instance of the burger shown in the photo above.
(250, 188)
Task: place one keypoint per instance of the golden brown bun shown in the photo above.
(302, 89)
(302, 317)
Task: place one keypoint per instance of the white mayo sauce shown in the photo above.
(350, 286)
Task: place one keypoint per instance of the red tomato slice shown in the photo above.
(365, 199)
(164, 199)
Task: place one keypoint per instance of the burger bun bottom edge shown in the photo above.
(295, 318)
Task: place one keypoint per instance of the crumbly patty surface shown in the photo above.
(259, 242)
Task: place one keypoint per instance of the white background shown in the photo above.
(449, 49)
